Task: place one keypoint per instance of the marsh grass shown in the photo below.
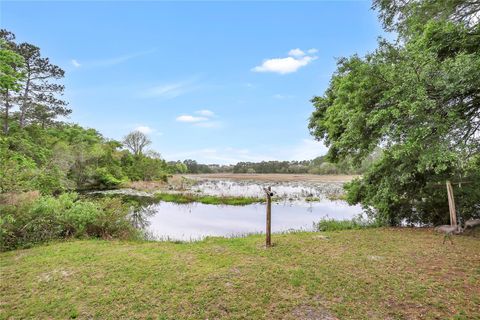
(336, 196)
(206, 199)
(347, 224)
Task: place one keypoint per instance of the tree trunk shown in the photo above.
(7, 107)
(451, 204)
(23, 108)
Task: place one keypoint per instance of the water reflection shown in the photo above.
(291, 211)
(140, 216)
(196, 221)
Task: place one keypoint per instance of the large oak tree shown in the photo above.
(419, 99)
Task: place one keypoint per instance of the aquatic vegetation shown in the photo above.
(292, 190)
(347, 224)
(206, 199)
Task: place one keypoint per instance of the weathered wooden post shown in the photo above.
(269, 193)
(451, 204)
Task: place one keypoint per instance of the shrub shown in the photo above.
(48, 218)
(107, 179)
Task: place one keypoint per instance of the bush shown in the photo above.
(48, 218)
(107, 179)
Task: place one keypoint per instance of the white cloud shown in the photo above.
(119, 59)
(145, 129)
(282, 96)
(204, 120)
(189, 118)
(295, 61)
(107, 62)
(296, 53)
(75, 63)
(205, 112)
(171, 90)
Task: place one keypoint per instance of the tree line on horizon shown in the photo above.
(319, 165)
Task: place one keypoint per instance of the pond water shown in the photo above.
(189, 222)
(282, 190)
(172, 221)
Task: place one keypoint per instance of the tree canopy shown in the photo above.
(419, 100)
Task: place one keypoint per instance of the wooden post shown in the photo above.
(451, 204)
(268, 240)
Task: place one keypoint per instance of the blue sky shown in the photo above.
(218, 82)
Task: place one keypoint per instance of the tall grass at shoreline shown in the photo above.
(347, 224)
(206, 199)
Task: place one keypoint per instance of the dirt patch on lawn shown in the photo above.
(312, 313)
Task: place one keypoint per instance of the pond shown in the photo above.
(195, 221)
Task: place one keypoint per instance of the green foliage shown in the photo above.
(194, 167)
(215, 200)
(11, 64)
(69, 157)
(16, 171)
(107, 179)
(419, 100)
(144, 168)
(48, 218)
(176, 167)
(35, 93)
(319, 165)
(337, 225)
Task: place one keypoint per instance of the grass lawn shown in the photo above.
(354, 274)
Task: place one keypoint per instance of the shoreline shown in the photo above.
(272, 177)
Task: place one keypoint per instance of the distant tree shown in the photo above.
(192, 166)
(11, 75)
(180, 167)
(136, 141)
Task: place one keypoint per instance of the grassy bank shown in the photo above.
(348, 224)
(355, 274)
(216, 200)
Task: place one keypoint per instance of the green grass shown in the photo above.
(337, 225)
(215, 200)
(355, 274)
